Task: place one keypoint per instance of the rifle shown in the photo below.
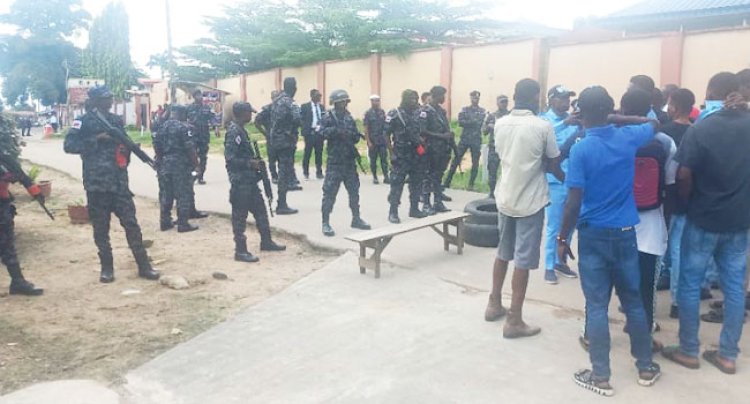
(454, 147)
(357, 155)
(267, 188)
(123, 137)
(13, 167)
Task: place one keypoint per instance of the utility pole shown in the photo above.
(170, 56)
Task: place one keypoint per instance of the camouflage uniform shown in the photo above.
(342, 135)
(200, 118)
(285, 122)
(174, 147)
(244, 194)
(105, 179)
(375, 122)
(470, 119)
(434, 119)
(406, 161)
(7, 213)
(263, 120)
(493, 158)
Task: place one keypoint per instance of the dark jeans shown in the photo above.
(313, 142)
(608, 258)
(728, 250)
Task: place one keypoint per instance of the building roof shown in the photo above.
(666, 15)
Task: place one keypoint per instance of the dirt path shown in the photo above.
(83, 329)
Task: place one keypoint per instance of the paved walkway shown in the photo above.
(415, 335)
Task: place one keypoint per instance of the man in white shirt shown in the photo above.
(527, 147)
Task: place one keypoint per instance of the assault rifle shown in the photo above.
(357, 155)
(123, 138)
(267, 188)
(10, 166)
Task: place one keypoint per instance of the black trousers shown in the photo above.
(247, 198)
(375, 153)
(202, 149)
(313, 143)
(101, 207)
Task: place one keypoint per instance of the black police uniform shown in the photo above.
(285, 122)
(105, 179)
(434, 119)
(375, 122)
(470, 119)
(175, 149)
(200, 117)
(403, 126)
(493, 158)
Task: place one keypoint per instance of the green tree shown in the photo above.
(108, 54)
(260, 34)
(37, 57)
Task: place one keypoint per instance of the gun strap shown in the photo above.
(400, 118)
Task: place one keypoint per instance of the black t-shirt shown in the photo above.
(676, 131)
(716, 150)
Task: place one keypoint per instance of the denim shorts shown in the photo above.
(520, 239)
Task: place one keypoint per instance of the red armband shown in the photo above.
(34, 190)
(122, 156)
(4, 193)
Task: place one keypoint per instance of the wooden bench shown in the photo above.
(378, 239)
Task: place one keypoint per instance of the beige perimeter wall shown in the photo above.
(259, 87)
(307, 79)
(352, 76)
(418, 71)
(492, 69)
(609, 64)
(709, 53)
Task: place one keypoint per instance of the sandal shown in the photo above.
(713, 357)
(585, 379)
(674, 354)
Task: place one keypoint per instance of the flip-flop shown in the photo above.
(528, 331)
(712, 357)
(671, 354)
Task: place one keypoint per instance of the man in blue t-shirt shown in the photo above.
(565, 125)
(600, 199)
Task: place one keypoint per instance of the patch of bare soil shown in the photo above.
(81, 328)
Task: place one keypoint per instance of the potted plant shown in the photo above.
(78, 212)
(44, 185)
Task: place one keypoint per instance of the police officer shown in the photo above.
(377, 144)
(340, 130)
(105, 179)
(285, 122)
(10, 171)
(408, 148)
(470, 119)
(493, 159)
(433, 123)
(176, 159)
(200, 118)
(243, 168)
(263, 124)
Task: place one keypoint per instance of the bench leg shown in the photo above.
(373, 262)
(460, 236)
(446, 241)
(362, 255)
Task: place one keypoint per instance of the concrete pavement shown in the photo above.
(415, 335)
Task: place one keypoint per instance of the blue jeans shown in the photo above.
(675, 240)
(729, 250)
(609, 258)
(558, 193)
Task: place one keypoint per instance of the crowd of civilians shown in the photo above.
(659, 195)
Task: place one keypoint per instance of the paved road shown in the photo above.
(416, 335)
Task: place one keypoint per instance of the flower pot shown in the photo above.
(46, 188)
(78, 214)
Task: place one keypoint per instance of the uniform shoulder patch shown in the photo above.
(238, 139)
(423, 114)
(76, 124)
(388, 118)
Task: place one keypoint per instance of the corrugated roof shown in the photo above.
(652, 7)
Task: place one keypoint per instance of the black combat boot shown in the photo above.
(358, 223)
(145, 270)
(245, 256)
(386, 178)
(415, 212)
(198, 214)
(283, 209)
(19, 285)
(266, 242)
(427, 207)
(375, 180)
(444, 197)
(327, 229)
(183, 226)
(108, 268)
(440, 207)
(166, 225)
(393, 215)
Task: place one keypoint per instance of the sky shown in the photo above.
(148, 30)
